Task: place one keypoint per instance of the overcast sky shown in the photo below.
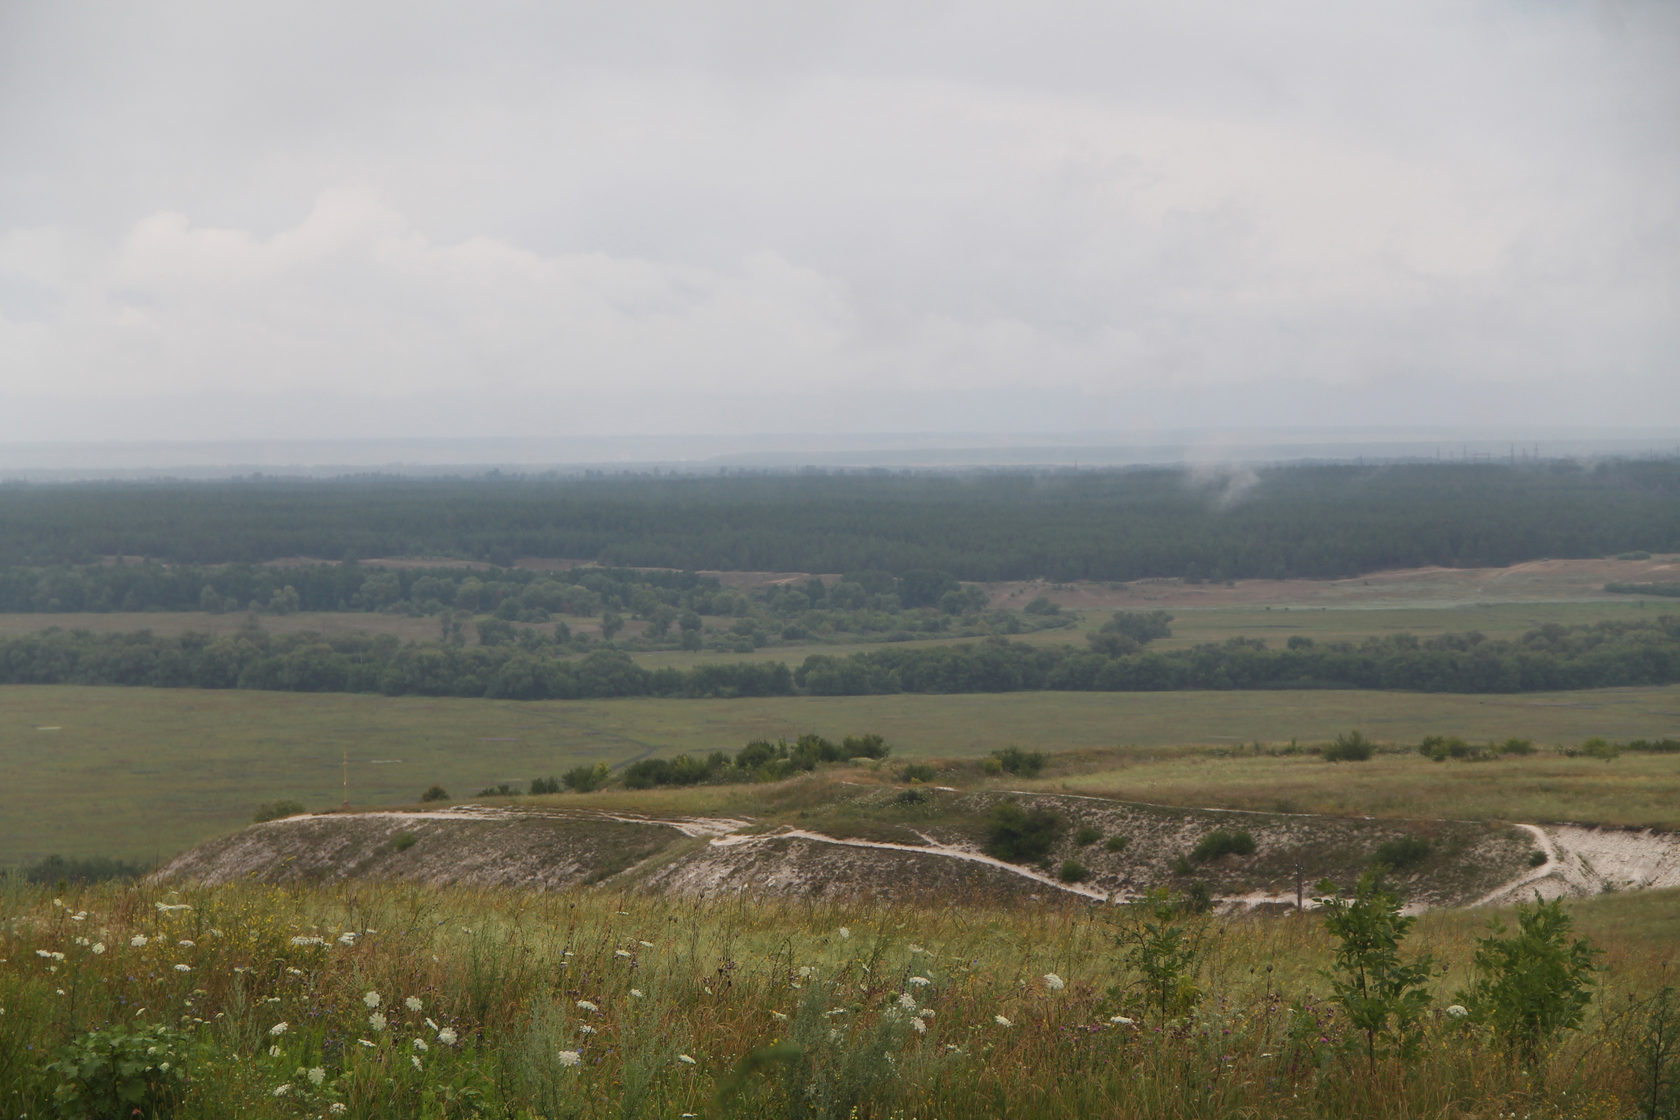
(395, 219)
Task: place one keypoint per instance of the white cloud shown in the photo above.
(737, 217)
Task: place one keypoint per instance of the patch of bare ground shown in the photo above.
(935, 850)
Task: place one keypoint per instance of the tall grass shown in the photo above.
(389, 1000)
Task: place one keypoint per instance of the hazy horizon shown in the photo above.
(69, 460)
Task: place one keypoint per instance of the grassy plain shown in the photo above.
(592, 1004)
(143, 773)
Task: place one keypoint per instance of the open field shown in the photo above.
(593, 1003)
(142, 773)
(1640, 790)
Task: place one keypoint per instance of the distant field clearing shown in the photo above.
(143, 773)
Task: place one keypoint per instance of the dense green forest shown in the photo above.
(1551, 658)
(1285, 521)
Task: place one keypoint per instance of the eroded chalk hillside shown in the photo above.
(882, 843)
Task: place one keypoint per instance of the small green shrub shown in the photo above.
(500, 789)
(544, 785)
(1517, 746)
(1349, 747)
(916, 772)
(274, 810)
(1402, 853)
(1536, 858)
(1024, 764)
(435, 793)
(403, 841)
(121, 1071)
(1221, 842)
(1534, 983)
(1117, 843)
(89, 869)
(1087, 835)
(1073, 871)
(1018, 835)
(912, 797)
(1600, 748)
(585, 779)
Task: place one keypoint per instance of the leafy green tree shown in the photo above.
(611, 623)
(1382, 994)
(1165, 942)
(1533, 984)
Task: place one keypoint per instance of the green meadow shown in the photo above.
(140, 774)
(376, 1000)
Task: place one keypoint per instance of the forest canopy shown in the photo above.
(1278, 522)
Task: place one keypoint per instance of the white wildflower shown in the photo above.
(185, 943)
(307, 939)
(1122, 1021)
(919, 981)
(138, 941)
(281, 1089)
(585, 1005)
(346, 938)
(183, 968)
(778, 1015)
(585, 1028)
(447, 1036)
(570, 1058)
(622, 954)
(98, 948)
(1053, 982)
(413, 1004)
(365, 1042)
(1001, 1021)
(635, 993)
(415, 1058)
(431, 1022)
(274, 1051)
(645, 944)
(371, 999)
(844, 933)
(49, 954)
(920, 1025)
(686, 1060)
(166, 907)
(1458, 1011)
(925, 1013)
(316, 1076)
(377, 1021)
(338, 1108)
(279, 1028)
(420, 1045)
(907, 1002)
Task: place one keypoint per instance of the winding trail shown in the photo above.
(1579, 860)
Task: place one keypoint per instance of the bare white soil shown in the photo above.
(484, 845)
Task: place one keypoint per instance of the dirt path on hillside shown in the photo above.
(1579, 861)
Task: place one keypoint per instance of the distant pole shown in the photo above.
(347, 779)
(1298, 897)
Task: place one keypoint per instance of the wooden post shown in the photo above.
(1299, 900)
(346, 779)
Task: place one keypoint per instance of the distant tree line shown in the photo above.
(1552, 657)
(1285, 521)
(1669, 590)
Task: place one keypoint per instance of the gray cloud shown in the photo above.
(652, 217)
